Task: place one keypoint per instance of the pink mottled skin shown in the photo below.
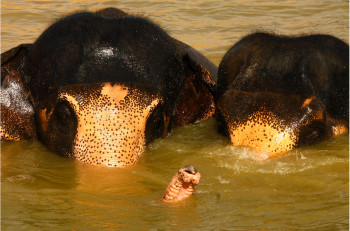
(182, 184)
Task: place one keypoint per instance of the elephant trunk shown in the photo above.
(182, 184)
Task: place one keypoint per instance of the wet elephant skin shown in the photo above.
(101, 85)
(276, 93)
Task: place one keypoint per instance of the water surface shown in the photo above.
(307, 189)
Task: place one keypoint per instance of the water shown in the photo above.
(307, 189)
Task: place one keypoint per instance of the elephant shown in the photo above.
(100, 86)
(276, 93)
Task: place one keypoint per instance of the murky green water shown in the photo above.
(307, 189)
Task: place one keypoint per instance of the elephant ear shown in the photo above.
(12, 59)
(17, 113)
(196, 101)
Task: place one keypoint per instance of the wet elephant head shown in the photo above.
(277, 93)
(103, 85)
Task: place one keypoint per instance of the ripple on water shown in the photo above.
(21, 178)
(244, 160)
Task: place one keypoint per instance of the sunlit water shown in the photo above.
(307, 189)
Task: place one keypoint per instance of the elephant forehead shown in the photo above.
(91, 97)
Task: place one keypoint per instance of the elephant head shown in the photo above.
(276, 93)
(102, 85)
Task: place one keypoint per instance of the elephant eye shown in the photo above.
(318, 131)
(315, 133)
(312, 133)
(155, 124)
(63, 112)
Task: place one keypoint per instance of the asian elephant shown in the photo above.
(99, 86)
(276, 93)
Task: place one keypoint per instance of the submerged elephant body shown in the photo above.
(276, 93)
(103, 85)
